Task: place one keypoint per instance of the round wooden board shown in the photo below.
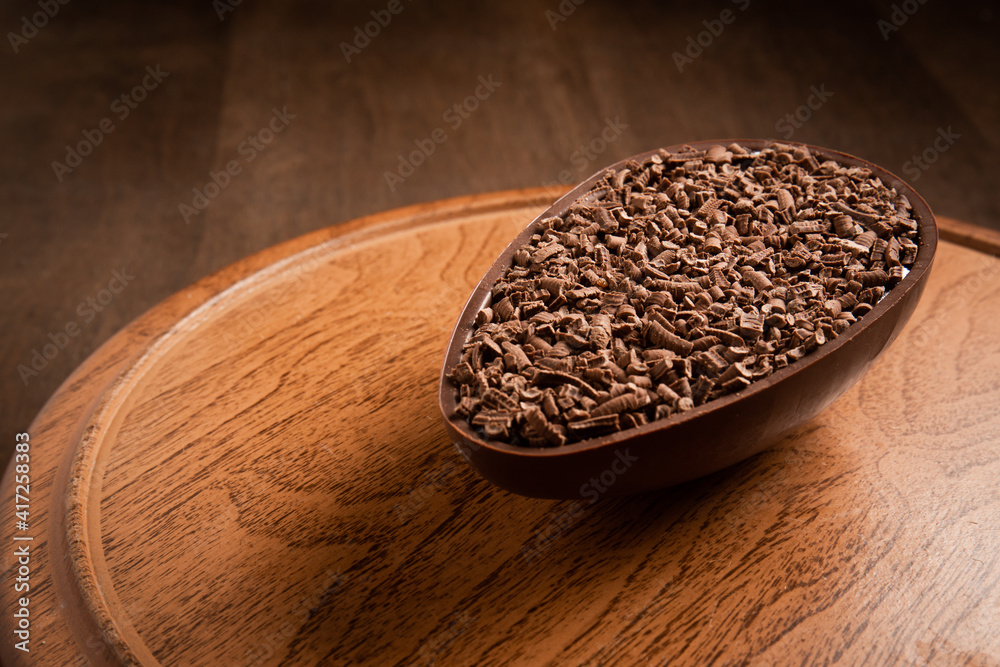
(255, 472)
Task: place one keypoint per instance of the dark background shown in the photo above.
(61, 242)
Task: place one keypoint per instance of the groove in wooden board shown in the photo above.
(971, 236)
(72, 636)
(797, 554)
(264, 287)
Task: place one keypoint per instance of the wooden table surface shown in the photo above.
(255, 472)
(886, 96)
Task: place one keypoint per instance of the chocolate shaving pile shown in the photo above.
(677, 281)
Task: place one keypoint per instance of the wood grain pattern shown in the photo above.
(60, 241)
(255, 473)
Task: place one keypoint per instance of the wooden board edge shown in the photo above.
(79, 398)
(972, 236)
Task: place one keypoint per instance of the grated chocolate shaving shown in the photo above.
(677, 281)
